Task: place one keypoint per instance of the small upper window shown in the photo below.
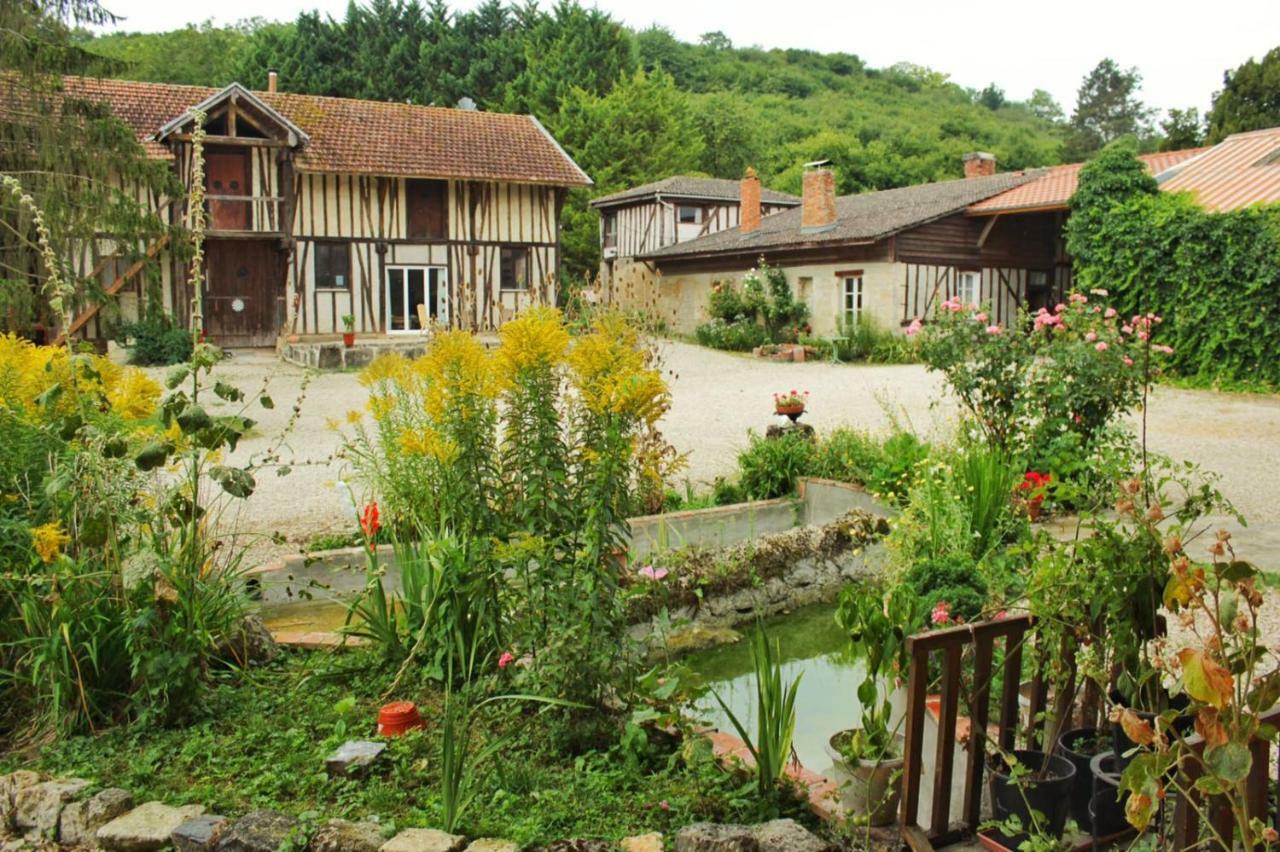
(969, 288)
(333, 265)
(1037, 279)
(852, 300)
(514, 268)
(610, 229)
(690, 215)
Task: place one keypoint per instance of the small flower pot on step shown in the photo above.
(1034, 800)
(868, 787)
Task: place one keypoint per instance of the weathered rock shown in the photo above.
(651, 842)
(578, 845)
(340, 835)
(493, 844)
(787, 835)
(9, 786)
(709, 837)
(257, 831)
(250, 643)
(80, 821)
(36, 809)
(353, 758)
(424, 840)
(200, 833)
(146, 827)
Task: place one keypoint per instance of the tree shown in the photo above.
(1249, 100)
(992, 97)
(731, 135)
(1107, 107)
(642, 130)
(1042, 105)
(1114, 177)
(1182, 129)
(715, 41)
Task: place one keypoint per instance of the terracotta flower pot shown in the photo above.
(397, 718)
(792, 411)
(348, 339)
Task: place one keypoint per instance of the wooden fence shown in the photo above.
(1010, 731)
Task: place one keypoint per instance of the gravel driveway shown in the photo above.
(717, 398)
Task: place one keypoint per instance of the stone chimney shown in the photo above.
(979, 164)
(272, 79)
(818, 199)
(749, 202)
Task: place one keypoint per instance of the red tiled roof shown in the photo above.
(1053, 189)
(1241, 170)
(367, 137)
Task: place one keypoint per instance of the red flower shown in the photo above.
(369, 523)
(941, 614)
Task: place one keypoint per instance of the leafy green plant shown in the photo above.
(157, 339)
(952, 579)
(989, 477)
(775, 713)
(741, 335)
(758, 310)
(770, 467)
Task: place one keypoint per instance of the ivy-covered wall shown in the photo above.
(1213, 277)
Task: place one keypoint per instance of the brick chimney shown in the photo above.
(979, 164)
(272, 79)
(818, 198)
(749, 202)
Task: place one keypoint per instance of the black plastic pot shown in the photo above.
(1120, 742)
(1079, 746)
(1049, 797)
(1106, 806)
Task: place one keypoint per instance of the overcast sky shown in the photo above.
(1181, 49)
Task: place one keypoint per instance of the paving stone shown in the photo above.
(493, 844)
(146, 827)
(424, 840)
(36, 809)
(340, 835)
(257, 831)
(80, 821)
(9, 786)
(353, 757)
(651, 842)
(709, 837)
(787, 835)
(200, 833)
(579, 845)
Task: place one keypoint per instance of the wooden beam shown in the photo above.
(92, 310)
(211, 139)
(986, 230)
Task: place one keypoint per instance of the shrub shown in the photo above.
(771, 467)
(156, 339)
(867, 340)
(741, 335)
(953, 579)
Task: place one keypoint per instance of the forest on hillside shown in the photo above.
(635, 106)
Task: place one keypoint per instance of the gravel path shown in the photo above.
(718, 397)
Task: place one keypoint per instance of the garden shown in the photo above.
(510, 665)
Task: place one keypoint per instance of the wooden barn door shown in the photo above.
(244, 292)
(228, 173)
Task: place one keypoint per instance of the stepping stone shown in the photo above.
(146, 827)
(651, 842)
(80, 821)
(493, 844)
(36, 809)
(340, 835)
(9, 786)
(199, 834)
(353, 758)
(424, 840)
(257, 831)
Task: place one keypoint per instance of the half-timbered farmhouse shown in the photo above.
(674, 211)
(990, 238)
(318, 208)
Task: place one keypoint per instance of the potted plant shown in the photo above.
(1081, 746)
(1030, 797)
(867, 760)
(790, 404)
(348, 330)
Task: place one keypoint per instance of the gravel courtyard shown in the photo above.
(717, 398)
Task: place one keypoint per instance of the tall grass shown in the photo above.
(988, 477)
(775, 713)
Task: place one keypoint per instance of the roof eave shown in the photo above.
(586, 178)
(297, 136)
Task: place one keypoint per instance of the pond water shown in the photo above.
(304, 616)
(811, 644)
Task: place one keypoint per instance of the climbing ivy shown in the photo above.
(1213, 277)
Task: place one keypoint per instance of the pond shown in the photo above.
(812, 645)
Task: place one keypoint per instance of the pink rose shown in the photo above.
(1091, 336)
(981, 317)
(914, 328)
(1059, 308)
(941, 613)
(1101, 346)
(651, 573)
(1127, 329)
(993, 329)
(1111, 312)
(1128, 362)
(506, 659)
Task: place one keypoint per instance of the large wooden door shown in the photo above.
(244, 292)
(228, 173)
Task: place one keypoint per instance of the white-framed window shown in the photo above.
(688, 214)
(851, 299)
(610, 230)
(969, 287)
(1037, 279)
(415, 293)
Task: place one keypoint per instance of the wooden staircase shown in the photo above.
(115, 287)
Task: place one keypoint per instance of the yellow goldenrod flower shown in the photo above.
(429, 443)
(48, 541)
(132, 393)
(385, 368)
(537, 339)
(456, 368)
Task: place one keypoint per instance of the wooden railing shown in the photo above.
(1011, 730)
(261, 211)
